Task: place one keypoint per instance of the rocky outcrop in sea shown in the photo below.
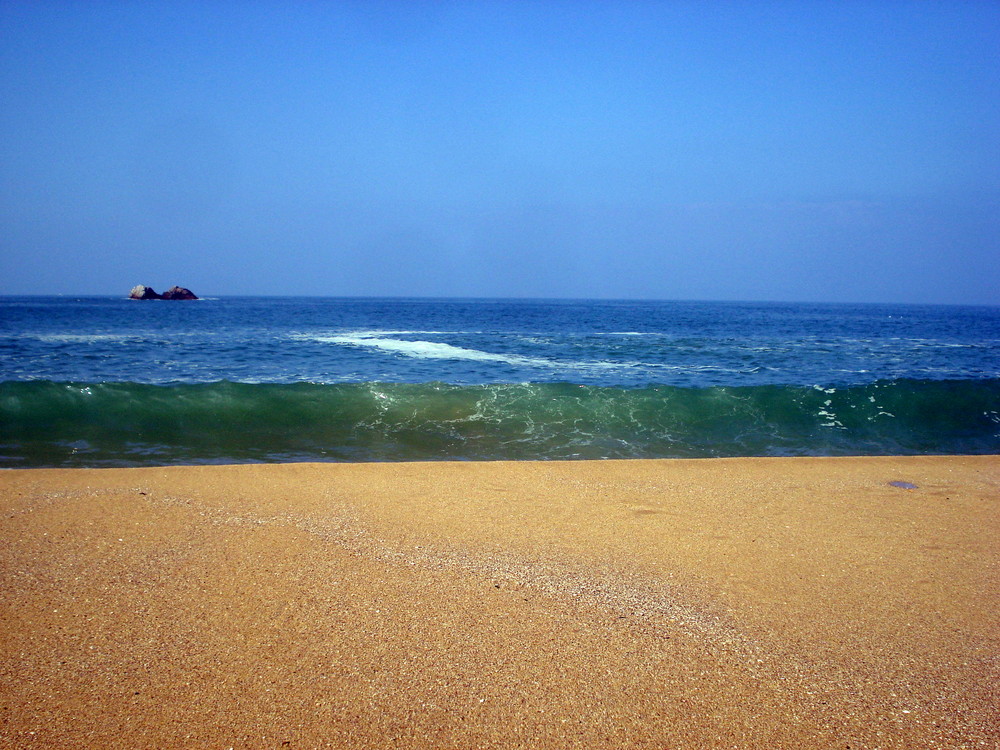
(147, 292)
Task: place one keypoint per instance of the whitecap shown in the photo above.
(381, 333)
(429, 349)
(627, 333)
(435, 350)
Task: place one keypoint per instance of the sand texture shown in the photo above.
(747, 603)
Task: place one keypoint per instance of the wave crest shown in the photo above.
(45, 423)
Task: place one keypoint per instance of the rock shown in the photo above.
(143, 292)
(178, 292)
(174, 292)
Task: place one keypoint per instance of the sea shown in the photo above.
(108, 381)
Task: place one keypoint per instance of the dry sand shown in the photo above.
(707, 603)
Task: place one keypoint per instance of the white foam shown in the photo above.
(429, 349)
(629, 333)
(421, 349)
(382, 333)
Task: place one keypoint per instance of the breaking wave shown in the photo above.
(46, 423)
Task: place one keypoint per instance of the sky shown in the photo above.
(786, 151)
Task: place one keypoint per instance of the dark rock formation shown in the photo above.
(178, 292)
(143, 292)
(174, 292)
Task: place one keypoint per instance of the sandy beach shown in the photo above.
(804, 603)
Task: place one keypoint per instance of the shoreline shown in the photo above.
(704, 602)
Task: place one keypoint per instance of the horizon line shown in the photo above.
(211, 297)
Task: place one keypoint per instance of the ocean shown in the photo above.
(106, 381)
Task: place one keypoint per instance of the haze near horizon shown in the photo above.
(778, 151)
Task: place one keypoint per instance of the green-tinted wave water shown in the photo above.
(45, 423)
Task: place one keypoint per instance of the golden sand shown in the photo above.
(771, 603)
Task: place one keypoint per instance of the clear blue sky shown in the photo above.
(835, 151)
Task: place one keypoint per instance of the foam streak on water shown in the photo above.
(429, 349)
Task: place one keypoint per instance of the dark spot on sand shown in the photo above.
(904, 485)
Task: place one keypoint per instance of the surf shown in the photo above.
(51, 423)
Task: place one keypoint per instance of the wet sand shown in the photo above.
(791, 603)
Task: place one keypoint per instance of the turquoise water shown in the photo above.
(112, 382)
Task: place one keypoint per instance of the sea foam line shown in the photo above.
(431, 350)
(437, 350)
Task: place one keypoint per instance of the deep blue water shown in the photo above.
(109, 381)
